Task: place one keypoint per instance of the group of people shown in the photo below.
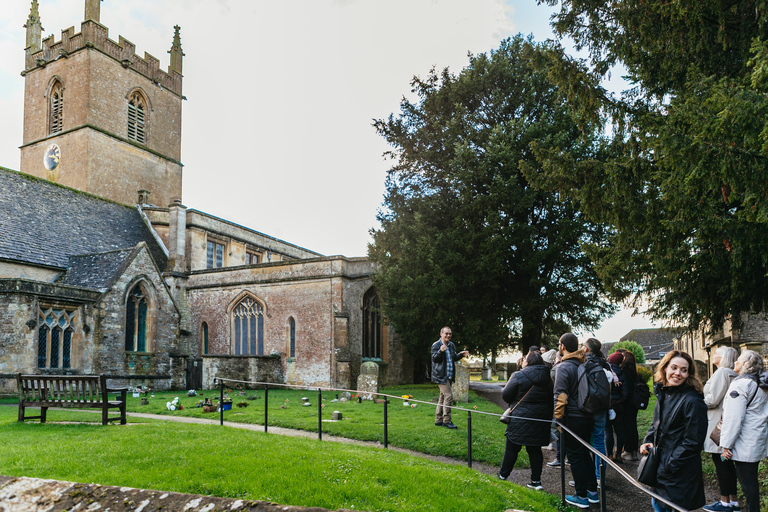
(734, 403)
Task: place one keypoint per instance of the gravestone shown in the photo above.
(461, 385)
(487, 373)
(368, 381)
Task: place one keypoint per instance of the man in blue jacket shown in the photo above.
(444, 359)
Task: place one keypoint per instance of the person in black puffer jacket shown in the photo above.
(529, 391)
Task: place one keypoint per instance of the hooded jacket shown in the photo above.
(567, 386)
(745, 420)
(681, 438)
(529, 391)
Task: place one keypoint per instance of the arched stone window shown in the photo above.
(137, 118)
(372, 328)
(56, 108)
(291, 337)
(138, 319)
(54, 338)
(205, 338)
(247, 319)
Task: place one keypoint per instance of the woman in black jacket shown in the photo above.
(678, 431)
(629, 416)
(529, 391)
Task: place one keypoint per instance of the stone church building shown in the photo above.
(104, 270)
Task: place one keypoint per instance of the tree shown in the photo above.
(633, 347)
(465, 240)
(680, 181)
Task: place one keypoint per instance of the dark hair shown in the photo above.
(534, 358)
(533, 348)
(594, 345)
(660, 375)
(570, 342)
(629, 365)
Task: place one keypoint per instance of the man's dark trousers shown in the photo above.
(582, 467)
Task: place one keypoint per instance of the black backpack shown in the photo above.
(593, 388)
(641, 395)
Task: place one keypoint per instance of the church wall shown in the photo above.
(156, 366)
(22, 271)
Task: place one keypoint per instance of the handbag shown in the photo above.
(649, 467)
(506, 417)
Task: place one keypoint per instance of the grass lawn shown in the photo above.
(211, 460)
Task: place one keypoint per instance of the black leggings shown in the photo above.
(726, 475)
(747, 473)
(510, 457)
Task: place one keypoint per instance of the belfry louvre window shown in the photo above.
(137, 118)
(248, 328)
(56, 108)
(54, 338)
(371, 325)
(136, 321)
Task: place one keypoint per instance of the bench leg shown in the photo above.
(123, 397)
(105, 413)
(21, 412)
(43, 410)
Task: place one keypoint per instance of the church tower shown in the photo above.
(99, 118)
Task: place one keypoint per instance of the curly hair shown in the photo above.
(751, 362)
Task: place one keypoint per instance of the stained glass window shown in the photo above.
(292, 328)
(371, 325)
(248, 328)
(136, 321)
(54, 338)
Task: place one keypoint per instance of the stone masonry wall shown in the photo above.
(153, 367)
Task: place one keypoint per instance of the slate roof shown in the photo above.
(654, 341)
(44, 223)
(95, 271)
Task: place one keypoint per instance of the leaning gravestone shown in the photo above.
(368, 381)
(460, 388)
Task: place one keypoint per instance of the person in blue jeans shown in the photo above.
(593, 348)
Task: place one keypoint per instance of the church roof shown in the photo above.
(655, 342)
(42, 223)
(95, 271)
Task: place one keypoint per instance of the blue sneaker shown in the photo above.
(593, 497)
(577, 501)
(718, 507)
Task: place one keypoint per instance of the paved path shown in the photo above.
(620, 494)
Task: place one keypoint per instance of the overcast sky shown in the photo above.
(281, 94)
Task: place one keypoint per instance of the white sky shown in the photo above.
(276, 132)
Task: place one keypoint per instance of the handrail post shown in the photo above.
(221, 403)
(319, 414)
(386, 440)
(563, 435)
(266, 407)
(602, 484)
(469, 439)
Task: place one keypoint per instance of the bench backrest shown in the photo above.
(85, 389)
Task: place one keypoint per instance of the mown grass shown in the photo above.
(211, 460)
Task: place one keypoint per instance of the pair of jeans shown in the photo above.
(726, 475)
(579, 455)
(535, 457)
(598, 439)
(747, 473)
(659, 506)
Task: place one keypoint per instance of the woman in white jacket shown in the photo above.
(744, 435)
(714, 393)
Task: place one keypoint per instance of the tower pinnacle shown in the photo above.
(175, 51)
(34, 28)
(92, 10)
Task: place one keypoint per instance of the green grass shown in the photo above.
(411, 428)
(211, 460)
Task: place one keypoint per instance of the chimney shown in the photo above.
(177, 236)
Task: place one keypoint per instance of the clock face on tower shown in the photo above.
(52, 157)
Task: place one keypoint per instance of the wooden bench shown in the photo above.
(69, 391)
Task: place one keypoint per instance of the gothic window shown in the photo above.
(54, 339)
(292, 337)
(248, 328)
(137, 112)
(371, 326)
(215, 255)
(205, 338)
(56, 108)
(136, 320)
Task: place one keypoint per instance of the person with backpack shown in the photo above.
(593, 348)
(629, 367)
(569, 413)
(618, 396)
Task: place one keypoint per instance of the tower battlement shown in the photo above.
(95, 35)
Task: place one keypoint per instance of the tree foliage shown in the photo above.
(633, 347)
(680, 180)
(465, 240)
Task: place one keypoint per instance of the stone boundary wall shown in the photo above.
(38, 495)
